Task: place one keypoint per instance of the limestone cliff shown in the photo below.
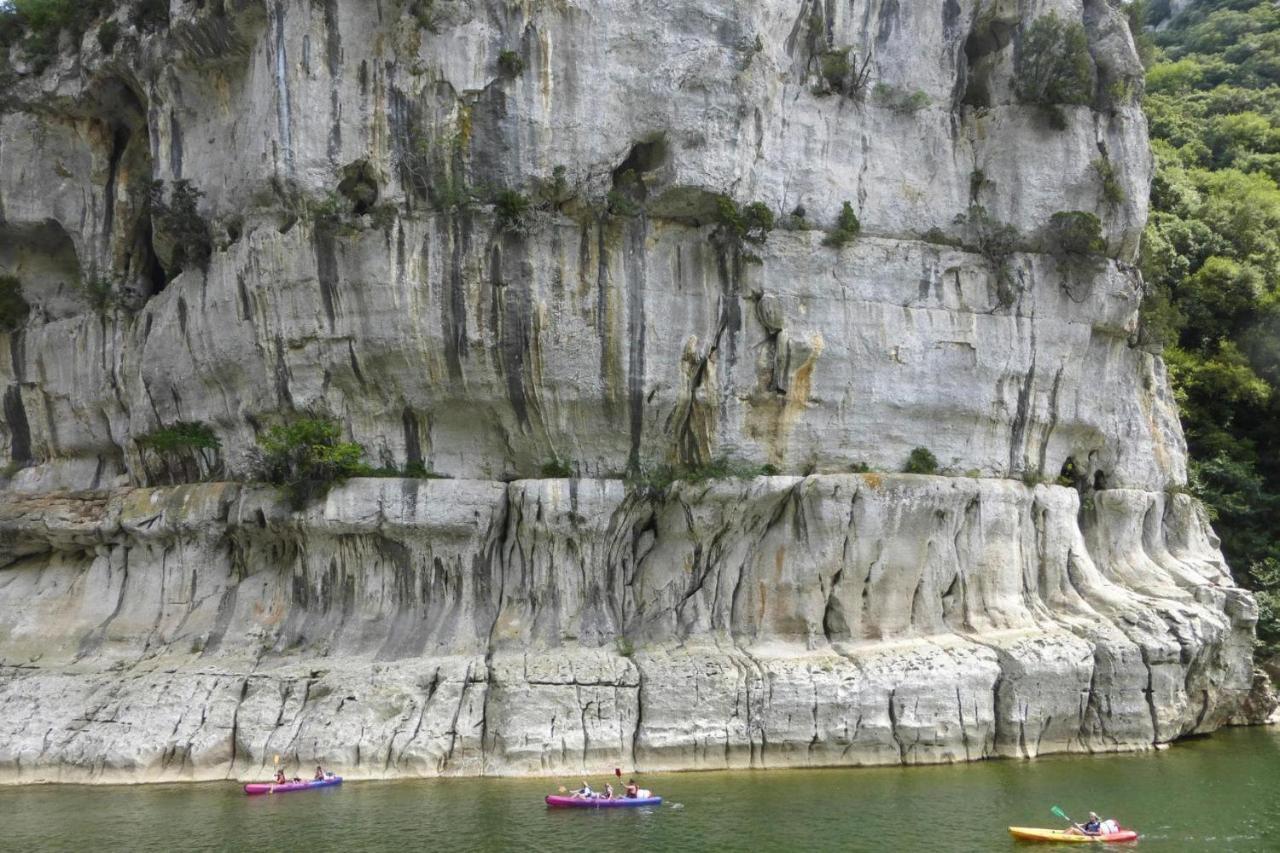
(489, 235)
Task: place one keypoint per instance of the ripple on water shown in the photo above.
(1211, 794)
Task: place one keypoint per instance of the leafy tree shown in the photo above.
(307, 457)
(921, 461)
(1211, 260)
(1054, 66)
(847, 228)
(737, 227)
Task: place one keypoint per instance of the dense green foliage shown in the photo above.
(737, 227)
(847, 228)
(1211, 258)
(510, 65)
(511, 211)
(38, 24)
(1075, 232)
(921, 461)
(306, 457)
(1054, 66)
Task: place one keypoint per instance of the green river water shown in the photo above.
(1218, 793)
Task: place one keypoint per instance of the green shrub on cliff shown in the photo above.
(1054, 66)
(38, 24)
(658, 478)
(740, 227)
(921, 461)
(847, 228)
(556, 468)
(108, 35)
(511, 210)
(306, 457)
(510, 65)
(1075, 233)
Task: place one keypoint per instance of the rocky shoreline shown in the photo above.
(421, 628)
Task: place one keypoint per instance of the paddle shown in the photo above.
(1057, 812)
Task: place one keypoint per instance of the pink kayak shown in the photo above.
(290, 787)
(601, 802)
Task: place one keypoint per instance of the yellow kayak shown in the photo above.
(1060, 836)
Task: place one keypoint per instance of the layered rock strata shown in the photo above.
(362, 170)
(469, 627)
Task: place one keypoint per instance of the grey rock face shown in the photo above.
(409, 627)
(349, 156)
(605, 340)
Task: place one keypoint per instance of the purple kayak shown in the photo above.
(601, 802)
(290, 787)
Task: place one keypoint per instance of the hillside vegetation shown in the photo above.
(1211, 257)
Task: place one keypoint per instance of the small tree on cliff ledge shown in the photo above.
(1054, 67)
(306, 458)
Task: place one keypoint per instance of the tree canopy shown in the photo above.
(1211, 258)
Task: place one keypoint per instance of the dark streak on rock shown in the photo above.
(326, 254)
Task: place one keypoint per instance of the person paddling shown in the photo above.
(1093, 826)
(583, 793)
(633, 790)
(280, 777)
(319, 777)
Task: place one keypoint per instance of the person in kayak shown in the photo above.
(280, 779)
(319, 777)
(584, 793)
(608, 791)
(1093, 826)
(633, 790)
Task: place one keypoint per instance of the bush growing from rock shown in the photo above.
(186, 452)
(996, 241)
(739, 226)
(108, 35)
(841, 72)
(1054, 66)
(1075, 232)
(900, 100)
(511, 211)
(510, 65)
(306, 458)
(1112, 191)
(556, 469)
(921, 461)
(100, 292)
(658, 478)
(847, 228)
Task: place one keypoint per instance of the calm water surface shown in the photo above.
(1219, 793)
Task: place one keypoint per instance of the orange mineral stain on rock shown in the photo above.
(772, 414)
